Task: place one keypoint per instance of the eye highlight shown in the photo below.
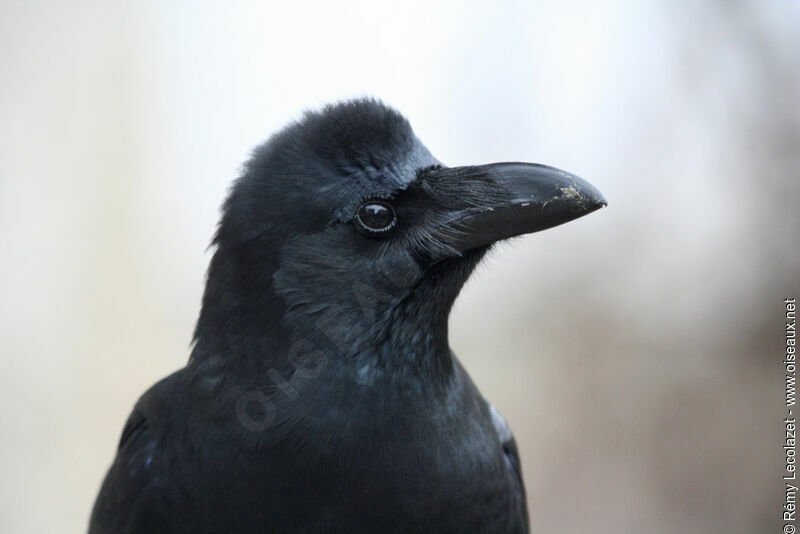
(375, 217)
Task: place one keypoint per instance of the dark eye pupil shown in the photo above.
(377, 217)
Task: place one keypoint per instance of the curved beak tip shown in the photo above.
(588, 195)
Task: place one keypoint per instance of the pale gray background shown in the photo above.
(635, 352)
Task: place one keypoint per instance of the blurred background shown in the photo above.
(636, 352)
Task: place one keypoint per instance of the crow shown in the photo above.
(321, 394)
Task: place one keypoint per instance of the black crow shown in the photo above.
(321, 394)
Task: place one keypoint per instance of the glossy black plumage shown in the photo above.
(321, 394)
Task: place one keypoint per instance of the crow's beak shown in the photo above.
(522, 198)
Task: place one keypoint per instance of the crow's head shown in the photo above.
(344, 233)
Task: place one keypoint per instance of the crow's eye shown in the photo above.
(375, 217)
